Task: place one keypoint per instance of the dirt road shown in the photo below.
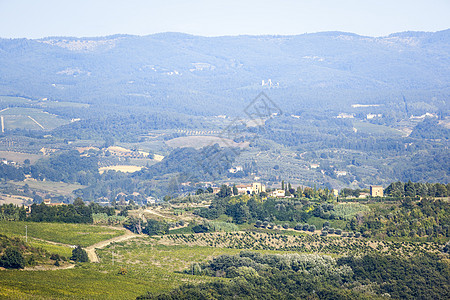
(91, 249)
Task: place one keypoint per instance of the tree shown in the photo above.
(12, 259)
(78, 202)
(410, 190)
(235, 190)
(225, 191)
(79, 255)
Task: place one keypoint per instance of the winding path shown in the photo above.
(91, 249)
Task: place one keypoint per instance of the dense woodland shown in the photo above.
(77, 212)
(302, 276)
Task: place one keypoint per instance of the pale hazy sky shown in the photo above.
(41, 18)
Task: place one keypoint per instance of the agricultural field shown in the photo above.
(6, 101)
(157, 264)
(299, 242)
(29, 118)
(14, 199)
(147, 265)
(64, 233)
(203, 141)
(369, 128)
(57, 188)
(19, 157)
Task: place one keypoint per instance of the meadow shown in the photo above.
(69, 234)
(58, 188)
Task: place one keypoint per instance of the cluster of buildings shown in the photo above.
(257, 188)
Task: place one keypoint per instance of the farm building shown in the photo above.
(254, 188)
(376, 191)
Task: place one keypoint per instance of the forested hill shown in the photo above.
(220, 75)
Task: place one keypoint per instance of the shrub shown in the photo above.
(122, 271)
(12, 259)
(79, 255)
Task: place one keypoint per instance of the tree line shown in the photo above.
(302, 276)
(77, 212)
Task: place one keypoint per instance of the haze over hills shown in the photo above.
(350, 110)
(219, 75)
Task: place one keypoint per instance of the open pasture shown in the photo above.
(64, 233)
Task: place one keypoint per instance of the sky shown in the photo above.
(88, 18)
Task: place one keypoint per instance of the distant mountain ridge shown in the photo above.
(212, 75)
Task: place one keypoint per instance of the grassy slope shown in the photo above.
(72, 234)
(59, 188)
(151, 267)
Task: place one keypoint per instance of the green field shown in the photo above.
(71, 234)
(59, 188)
(150, 266)
(51, 248)
(30, 118)
(370, 128)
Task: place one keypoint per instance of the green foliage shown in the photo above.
(79, 255)
(193, 164)
(67, 167)
(61, 213)
(11, 212)
(421, 277)
(412, 189)
(103, 218)
(349, 210)
(15, 253)
(430, 129)
(151, 227)
(12, 259)
(425, 218)
(296, 276)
